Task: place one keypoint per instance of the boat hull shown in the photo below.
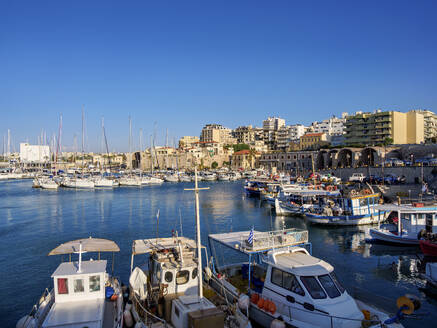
(343, 220)
(389, 237)
(428, 248)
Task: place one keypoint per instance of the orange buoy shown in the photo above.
(254, 298)
(266, 305)
(261, 303)
(272, 308)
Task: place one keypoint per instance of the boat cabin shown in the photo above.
(171, 266)
(79, 287)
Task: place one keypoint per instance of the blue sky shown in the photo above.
(182, 64)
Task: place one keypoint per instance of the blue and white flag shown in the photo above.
(250, 238)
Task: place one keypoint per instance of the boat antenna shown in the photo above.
(199, 250)
(180, 222)
(157, 226)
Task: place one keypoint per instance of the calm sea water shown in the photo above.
(34, 221)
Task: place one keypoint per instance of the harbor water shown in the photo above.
(34, 221)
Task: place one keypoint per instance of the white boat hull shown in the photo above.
(346, 220)
(389, 237)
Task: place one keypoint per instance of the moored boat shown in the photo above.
(428, 247)
(83, 293)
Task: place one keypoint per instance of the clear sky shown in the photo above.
(182, 64)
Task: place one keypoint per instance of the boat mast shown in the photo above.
(130, 148)
(199, 249)
(151, 156)
(83, 151)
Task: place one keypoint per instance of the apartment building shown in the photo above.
(217, 133)
(331, 126)
(429, 123)
(271, 130)
(374, 128)
(244, 134)
(313, 141)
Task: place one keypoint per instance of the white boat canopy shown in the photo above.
(143, 246)
(88, 245)
(409, 209)
(262, 241)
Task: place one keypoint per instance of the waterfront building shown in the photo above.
(217, 133)
(313, 141)
(188, 141)
(34, 153)
(429, 124)
(299, 162)
(245, 159)
(271, 128)
(374, 128)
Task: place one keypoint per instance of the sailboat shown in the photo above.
(81, 182)
(101, 181)
(131, 179)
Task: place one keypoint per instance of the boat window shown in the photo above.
(290, 282)
(194, 273)
(168, 277)
(94, 283)
(337, 282)
(62, 286)
(313, 287)
(363, 202)
(182, 277)
(277, 277)
(78, 286)
(329, 286)
(287, 281)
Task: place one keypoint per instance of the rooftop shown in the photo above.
(301, 264)
(88, 267)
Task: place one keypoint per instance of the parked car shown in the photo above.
(373, 179)
(357, 177)
(330, 178)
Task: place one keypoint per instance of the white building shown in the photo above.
(296, 131)
(34, 153)
(331, 126)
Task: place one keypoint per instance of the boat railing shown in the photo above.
(426, 200)
(145, 316)
(328, 320)
(47, 296)
(274, 239)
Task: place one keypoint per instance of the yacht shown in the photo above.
(184, 177)
(130, 180)
(47, 183)
(413, 222)
(102, 182)
(78, 183)
(83, 294)
(209, 176)
(287, 286)
(171, 177)
(223, 177)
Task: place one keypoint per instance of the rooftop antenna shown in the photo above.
(199, 249)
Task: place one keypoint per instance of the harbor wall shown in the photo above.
(413, 174)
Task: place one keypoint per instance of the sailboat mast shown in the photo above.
(130, 141)
(83, 151)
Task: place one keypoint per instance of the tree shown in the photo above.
(214, 165)
(239, 147)
(388, 141)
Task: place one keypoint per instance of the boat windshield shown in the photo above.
(337, 282)
(313, 287)
(329, 285)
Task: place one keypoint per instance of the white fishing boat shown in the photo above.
(83, 294)
(412, 222)
(358, 208)
(167, 290)
(288, 286)
(431, 274)
(301, 201)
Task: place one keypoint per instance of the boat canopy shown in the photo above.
(310, 193)
(408, 209)
(143, 246)
(88, 245)
(262, 241)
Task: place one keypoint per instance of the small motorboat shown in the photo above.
(428, 247)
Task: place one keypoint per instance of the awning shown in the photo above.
(142, 246)
(88, 245)
(407, 209)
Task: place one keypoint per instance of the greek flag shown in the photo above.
(250, 238)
